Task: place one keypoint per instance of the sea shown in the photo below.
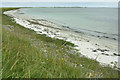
(92, 21)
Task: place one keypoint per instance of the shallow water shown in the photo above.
(92, 20)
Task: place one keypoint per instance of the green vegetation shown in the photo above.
(7, 9)
(26, 54)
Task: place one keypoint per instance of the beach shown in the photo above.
(103, 50)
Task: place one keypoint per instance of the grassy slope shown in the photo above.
(29, 55)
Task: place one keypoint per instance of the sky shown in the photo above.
(59, 3)
(60, 0)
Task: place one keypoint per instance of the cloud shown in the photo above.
(60, 0)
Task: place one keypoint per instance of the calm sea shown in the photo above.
(91, 20)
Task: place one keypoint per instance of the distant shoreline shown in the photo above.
(62, 7)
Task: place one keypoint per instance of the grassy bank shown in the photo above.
(26, 54)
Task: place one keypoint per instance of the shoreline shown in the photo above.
(89, 46)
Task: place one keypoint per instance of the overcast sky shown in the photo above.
(60, 0)
(38, 3)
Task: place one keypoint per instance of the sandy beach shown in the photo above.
(104, 50)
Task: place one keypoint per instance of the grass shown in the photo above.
(26, 54)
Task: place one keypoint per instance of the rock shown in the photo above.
(114, 38)
(102, 50)
(96, 44)
(88, 41)
(103, 53)
(116, 54)
(105, 36)
(94, 50)
(107, 54)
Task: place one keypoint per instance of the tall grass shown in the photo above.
(26, 54)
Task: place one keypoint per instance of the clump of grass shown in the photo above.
(26, 54)
(7, 9)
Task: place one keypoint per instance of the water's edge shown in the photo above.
(81, 30)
